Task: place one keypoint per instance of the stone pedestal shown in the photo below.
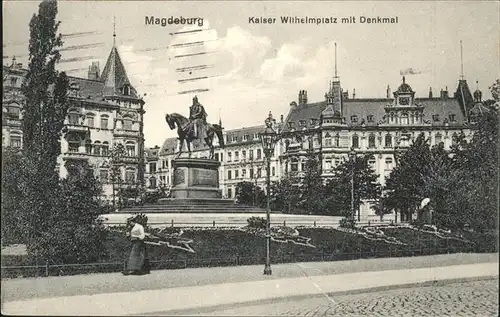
(196, 178)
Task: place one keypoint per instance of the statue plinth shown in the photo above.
(196, 178)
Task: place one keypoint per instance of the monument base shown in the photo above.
(196, 178)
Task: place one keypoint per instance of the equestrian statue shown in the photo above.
(195, 128)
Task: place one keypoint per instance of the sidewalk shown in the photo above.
(199, 288)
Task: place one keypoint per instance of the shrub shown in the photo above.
(257, 222)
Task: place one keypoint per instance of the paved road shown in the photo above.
(478, 298)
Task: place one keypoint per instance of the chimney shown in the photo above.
(302, 97)
(354, 93)
(444, 93)
(430, 92)
(388, 92)
(345, 95)
(94, 71)
(281, 118)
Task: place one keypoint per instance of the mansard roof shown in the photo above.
(362, 108)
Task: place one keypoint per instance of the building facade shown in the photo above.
(104, 110)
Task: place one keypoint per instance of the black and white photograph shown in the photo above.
(250, 158)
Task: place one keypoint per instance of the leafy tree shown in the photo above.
(351, 174)
(44, 110)
(13, 221)
(311, 190)
(246, 193)
(76, 235)
(117, 153)
(284, 195)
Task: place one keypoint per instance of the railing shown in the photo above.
(196, 262)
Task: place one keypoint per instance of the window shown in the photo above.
(336, 162)
(244, 173)
(229, 175)
(328, 164)
(229, 156)
(438, 139)
(259, 172)
(162, 179)
(15, 141)
(234, 138)
(236, 156)
(454, 139)
(152, 167)
(103, 175)
(90, 121)
(222, 157)
(372, 162)
(97, 148)
(302, 123)
(88, 147)
(104, 122)
(435, 117)
(452, 117)
(243, 155)
(355, 141)
(73, 144)
(273, 171)
(216, 157)
(13, 81)
(251, 172)
(371, 141)
(404, 118)
(236, 174)
(370, 118)
(130, 176)
(126, 90)
(354, 119)
(130, 148)
(250, 154)
(388, 163)
(127, 124)
(337, 140)
(311, 143)
(245, 137)
(105, 148)
(152, 182)
(230, 193)
(259, 154)
(74, 118)
(328, 141)
(388, 140)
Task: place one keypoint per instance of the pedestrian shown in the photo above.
(138, 263)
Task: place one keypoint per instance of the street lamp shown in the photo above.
(268, 137)
(352, 158)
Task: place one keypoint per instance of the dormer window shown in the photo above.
(369, 118)
(245, 137)
(354, 119)
(234, 138)
(302, 123)
(126, 90)
(404, 101)
(452, 117)
(435, 117)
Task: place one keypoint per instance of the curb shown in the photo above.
(211, 309)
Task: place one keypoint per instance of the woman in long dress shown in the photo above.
(138, 263)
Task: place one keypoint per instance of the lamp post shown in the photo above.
(352, 158)
(268, 137)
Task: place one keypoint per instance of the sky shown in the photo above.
(256, 68)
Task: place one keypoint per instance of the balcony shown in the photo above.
(128, 159)
(70, 155)
(127, 133)
(77, 128)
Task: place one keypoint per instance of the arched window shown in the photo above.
(127, 123)
(104, 121)
(388, 163)
(90, 120)
(130, 175)
(388, 140)
(97, 147)
(88, 146)
(337, 140)
(126, 90)
(130, 148)
(328, 139)
(355, 141)
(393, 117)
(73, 117)
(371, 141)
(105, 148)
(152, 182)
(404, 119)
(438, 138)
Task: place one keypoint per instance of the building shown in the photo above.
(242, 159)
(105, 110)
(379, 126)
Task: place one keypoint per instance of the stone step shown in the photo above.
(194, 211)
(195, 201)
(189, 207)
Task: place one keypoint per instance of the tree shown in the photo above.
(117, 153)
(311, 189)
(44, 110)
(351, 174)
(246, 191)
(284, 194)
(78, 236)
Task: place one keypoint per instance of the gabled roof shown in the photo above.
(114, 76)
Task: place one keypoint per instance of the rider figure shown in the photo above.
(198, 118)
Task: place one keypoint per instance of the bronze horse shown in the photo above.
(177, 120)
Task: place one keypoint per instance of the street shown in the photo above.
(477, 298)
